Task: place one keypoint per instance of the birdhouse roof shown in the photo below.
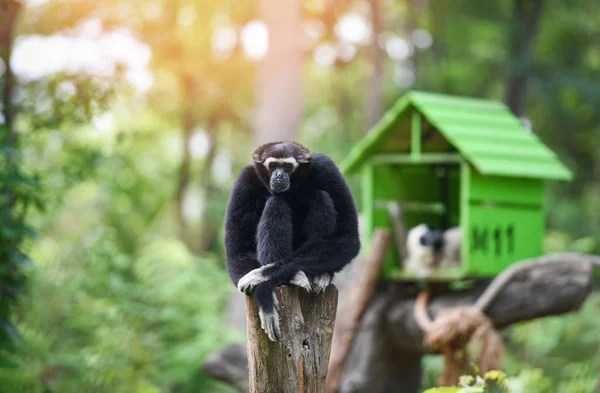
(484, 132)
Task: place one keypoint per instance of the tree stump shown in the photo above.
(298, 363)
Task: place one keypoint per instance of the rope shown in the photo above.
(455, 328)
(450, 334)
(420, 310)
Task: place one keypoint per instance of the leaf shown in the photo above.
(7, 361)
(495, 375)
(466, 380)
(444, 390)
(9, 328)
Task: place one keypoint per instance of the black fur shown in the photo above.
(312, 227)
(275, 234)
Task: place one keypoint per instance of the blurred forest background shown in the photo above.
(125, 122)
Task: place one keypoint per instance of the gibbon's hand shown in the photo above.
(269, 321)
(301, 280)
(269, 272)
(321, 282)
(257, 276)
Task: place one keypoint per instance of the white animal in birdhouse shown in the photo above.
(429, 249)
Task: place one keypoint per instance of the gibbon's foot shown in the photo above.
(301, 280)
(321, 282)
(269, 322)
(247, 283)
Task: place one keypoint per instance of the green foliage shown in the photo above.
(65, 101)
(115, 303)
(528, 380)
(492, 381)
(565, 348)
(100, 320)
(18, 192)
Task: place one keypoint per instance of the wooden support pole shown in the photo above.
(298, 363)
(355, 300)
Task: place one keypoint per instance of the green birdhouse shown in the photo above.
(456, 162)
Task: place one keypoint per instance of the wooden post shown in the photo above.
(366, 273)
(298, 363)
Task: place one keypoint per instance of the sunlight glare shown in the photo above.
(313, 29)
(199, 143)
(140, 78)
(325, 55)
(255, 39)
(404, 76)
(104, 123)
(193, 205)
(422, 39)
(87, 53)
(222, 169)
(346, 52)
(90, 28)
(224, 40)
(66, 90)
(397, 48)
(353, 28)
(35, 3)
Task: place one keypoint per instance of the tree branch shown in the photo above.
(389, 330)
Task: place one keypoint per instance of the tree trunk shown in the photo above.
(199, 237)
(9, 11)
(527, 14)
(279, 100)
(208, 224)
(297, 364)
(373, 105)
(11, 276)
(187, 125)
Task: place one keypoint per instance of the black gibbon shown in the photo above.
(291, 219)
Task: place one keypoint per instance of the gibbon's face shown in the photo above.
(433, 239)
(423, 238)
(280, 171)
(423, 244)
(279, 164)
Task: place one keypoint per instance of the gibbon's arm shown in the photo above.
(241, 222)
(330, 253)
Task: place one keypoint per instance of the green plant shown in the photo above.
(18, 192)
(492, 381)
